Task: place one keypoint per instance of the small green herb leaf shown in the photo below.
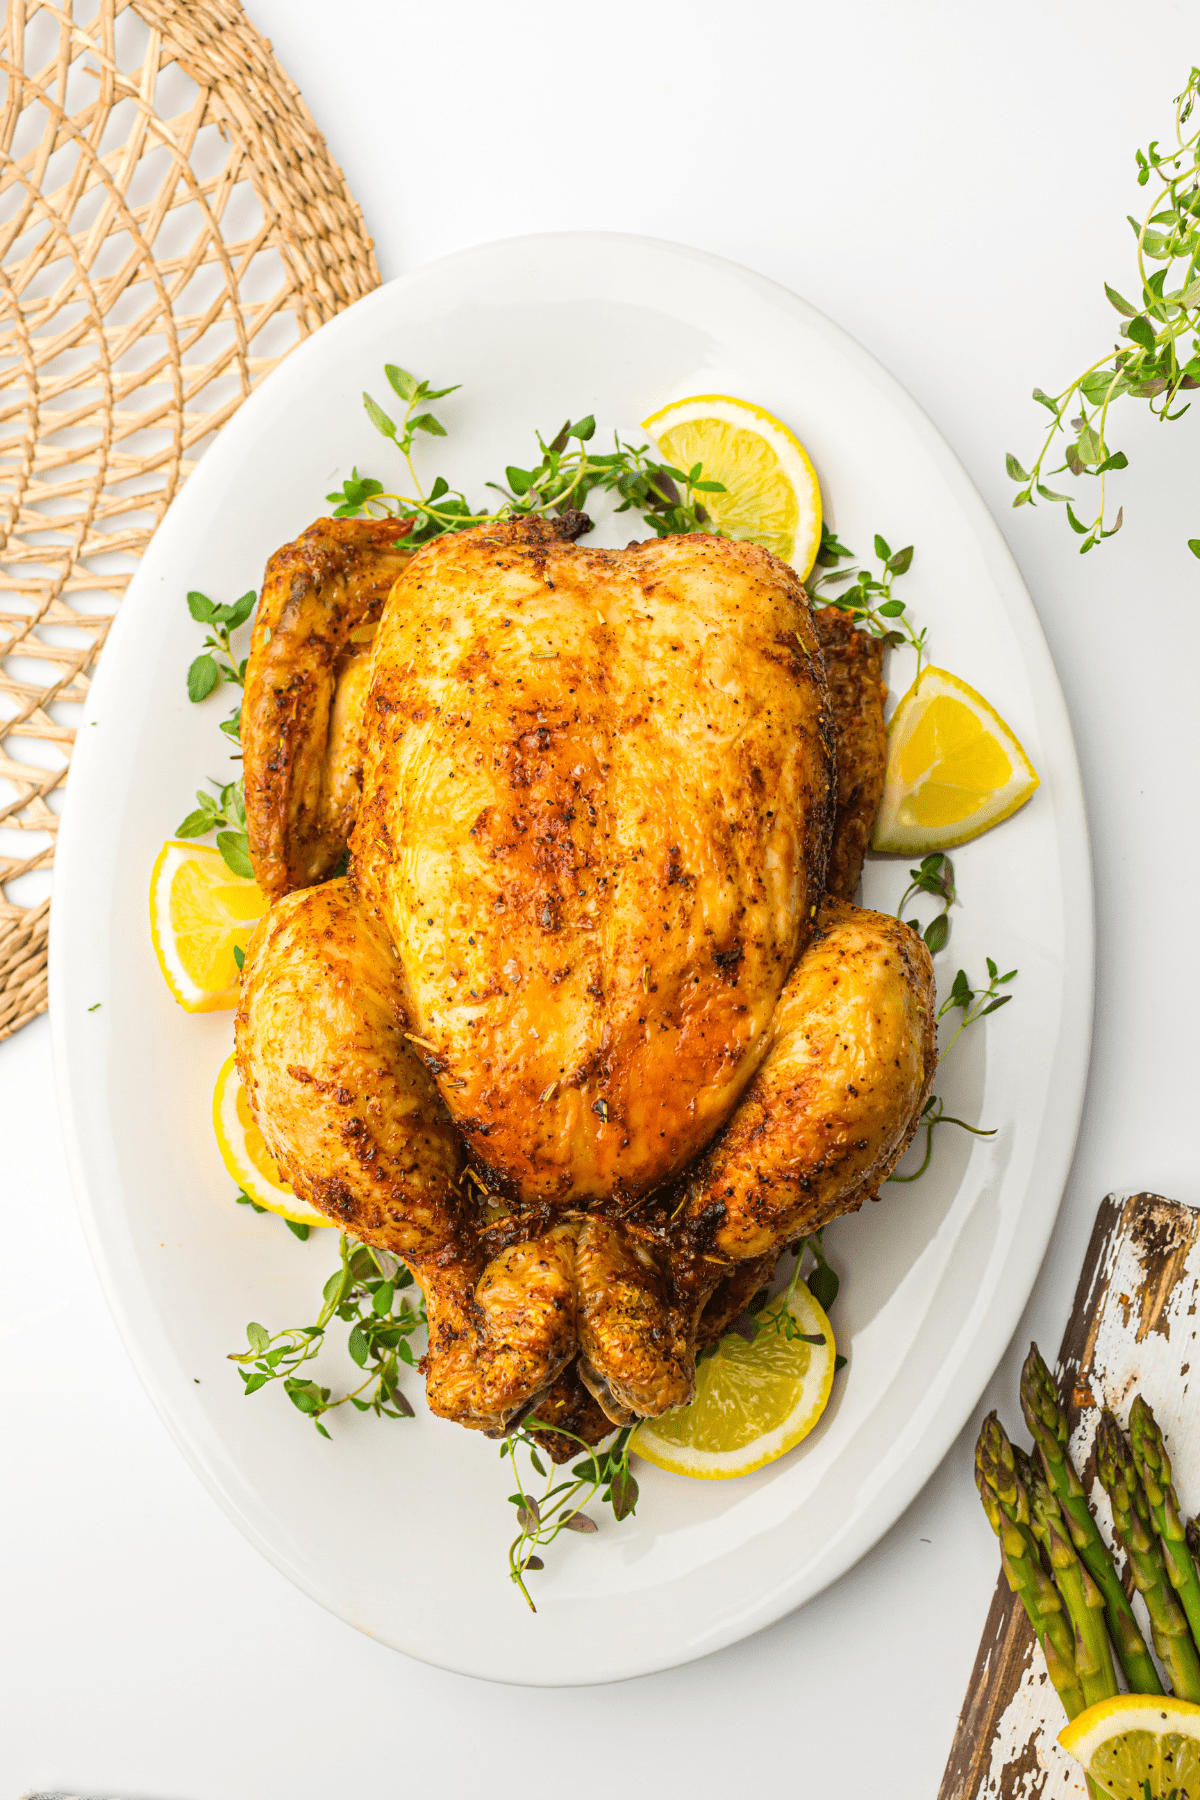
(234, 848)
(379, 418)
(202, 678)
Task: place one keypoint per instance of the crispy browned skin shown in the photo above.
(358, 1128)
(636, 1354)
(732, 1295)
(854, 671)
(302, 711)
(567, 1417)
(596, 808)
(836, 1101)
(578, 939)
(346, 1105)
(501, 1335)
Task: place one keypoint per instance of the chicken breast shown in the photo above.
(597, 797)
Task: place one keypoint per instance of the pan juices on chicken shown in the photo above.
(589, 1030)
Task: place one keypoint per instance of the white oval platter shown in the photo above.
(402, 1528)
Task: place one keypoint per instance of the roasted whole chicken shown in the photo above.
(589, 1029)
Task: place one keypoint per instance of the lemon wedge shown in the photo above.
(753, 1401)
(772, 494)
(199, 911)
(246, 1156)
(1132, 1739)
(954, 768)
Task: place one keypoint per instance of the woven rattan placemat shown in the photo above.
(171, 224)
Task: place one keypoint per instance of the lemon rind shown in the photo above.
(732, 411)
(891, 838)
(1133, 1712)
(226, 1125)
(191, 997)
(709, 1465)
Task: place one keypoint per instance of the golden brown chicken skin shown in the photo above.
(302, 709)
(597, 794)
(348, 1109)
(837, 1098)
(857, 694)
(577, 957)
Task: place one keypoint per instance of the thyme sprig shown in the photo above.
(363, 1293)
(935, 1114)
(224, 813)
(561, 481)
(218, 662)
(604, 1470)
(780, 1320)
(295, 1226)
(1153, 363)
(934, 876)
(218, 665)
(974, 1003)
(870, 600)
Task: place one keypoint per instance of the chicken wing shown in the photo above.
(857, 694)
(303, 707)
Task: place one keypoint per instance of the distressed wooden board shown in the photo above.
(1133, 1328)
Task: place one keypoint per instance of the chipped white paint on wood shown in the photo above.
(1027, 1762)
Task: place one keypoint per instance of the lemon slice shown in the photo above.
(199, 911)
(245, 1153)
(1131, 1739)
(772, 495)
(753, 1401)
(954, 769)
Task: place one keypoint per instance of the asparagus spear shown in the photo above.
(1132, 1524)
(1154, 1466)
(1083, 1600)
(1006, 1504)
(1048, 1425)
(1193, 1537)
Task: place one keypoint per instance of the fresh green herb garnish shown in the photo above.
(935, 876)
(566, 474)
(604, 1471)
(218, 663)
(362, 1292)
(1153, 363)
(294, 1225)
(870, 601)
(935, 1114)
(974, 1004)
(226, 815)
(823, 1284)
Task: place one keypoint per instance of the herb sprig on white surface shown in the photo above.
(1155, 361)
(367, 1293)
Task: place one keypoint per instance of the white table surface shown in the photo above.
(950, 184)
